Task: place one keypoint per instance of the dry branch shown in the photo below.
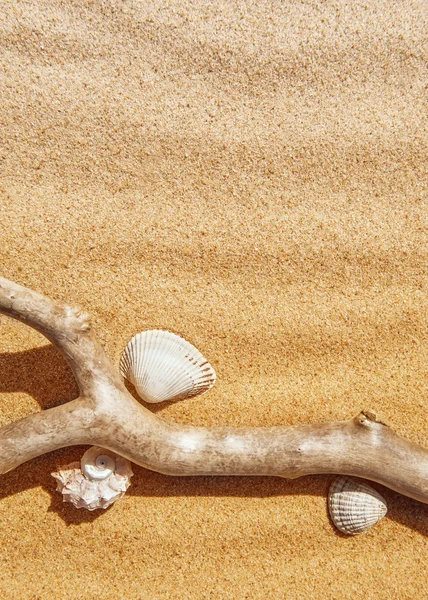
(106, 415)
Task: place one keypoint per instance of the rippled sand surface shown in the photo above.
(252, 176)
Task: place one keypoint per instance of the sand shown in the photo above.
(253, 176)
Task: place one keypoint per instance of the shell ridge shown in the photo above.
(354, 506)
(163, 366)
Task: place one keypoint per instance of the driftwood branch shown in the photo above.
(106, 415)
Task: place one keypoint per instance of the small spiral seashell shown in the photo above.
(97, 465)
(165, 367)
(97, 481)
(354, 506)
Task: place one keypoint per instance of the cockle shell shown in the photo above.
(99, 480)
(354, 506)
(164, 367)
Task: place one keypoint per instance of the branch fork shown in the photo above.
(106, 415)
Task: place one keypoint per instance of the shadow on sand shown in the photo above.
(44, 374)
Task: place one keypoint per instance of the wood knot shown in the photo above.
(81, 319)
(370, 415)
(365, 418)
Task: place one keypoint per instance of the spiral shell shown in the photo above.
(164, 367)
(96, 465)
(98, 481)
(354, 506)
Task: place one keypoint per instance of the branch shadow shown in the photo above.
(401, 509)
(406, 511)
(149, 484)
(43, 374)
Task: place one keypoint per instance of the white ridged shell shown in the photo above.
(84, 492)
(354, 506)
(163, 367)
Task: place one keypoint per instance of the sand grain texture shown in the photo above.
(252, 176)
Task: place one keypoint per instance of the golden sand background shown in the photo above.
(251, 175)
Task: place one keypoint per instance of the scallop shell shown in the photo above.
(354, 506)
(164, 367)
(98, 481)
